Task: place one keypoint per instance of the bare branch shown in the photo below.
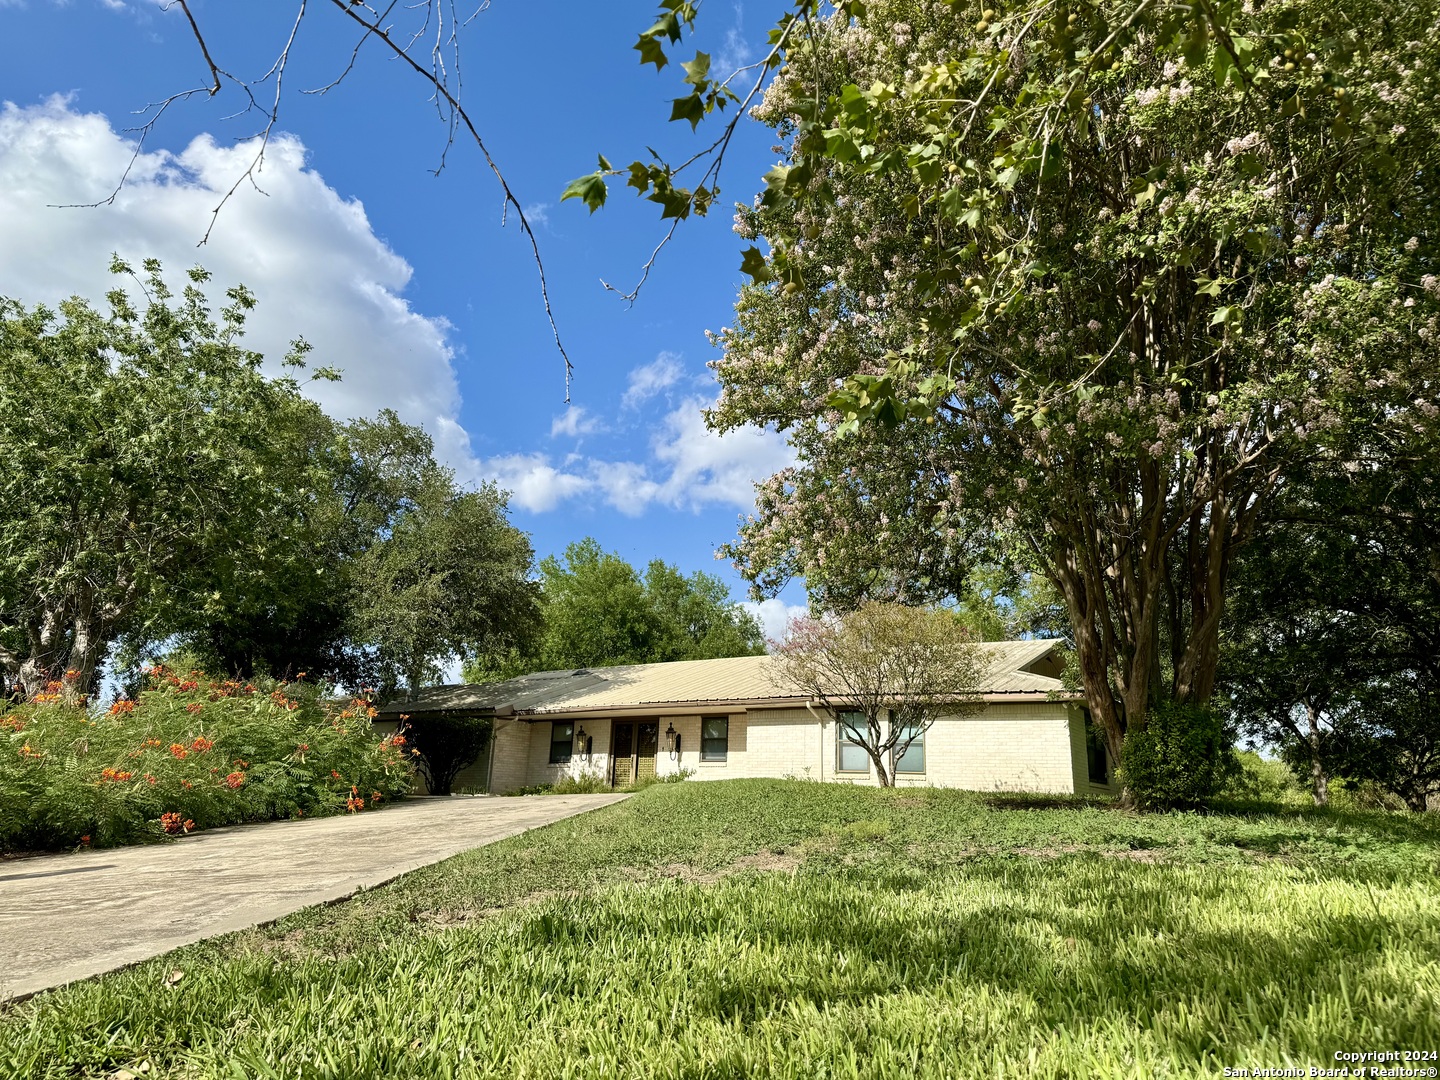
(458, 110)
(200, 39)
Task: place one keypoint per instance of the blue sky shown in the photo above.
(403, 279)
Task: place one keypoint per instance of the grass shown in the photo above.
(792, 929)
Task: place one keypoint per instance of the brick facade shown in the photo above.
(1025, 746)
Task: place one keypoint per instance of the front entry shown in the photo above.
(632, 751)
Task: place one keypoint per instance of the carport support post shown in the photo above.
(490, 765)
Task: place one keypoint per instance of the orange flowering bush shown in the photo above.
(187, 753)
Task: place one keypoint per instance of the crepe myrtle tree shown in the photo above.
(1102, 334)
(884, 673)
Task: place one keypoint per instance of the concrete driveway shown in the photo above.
(66, 917)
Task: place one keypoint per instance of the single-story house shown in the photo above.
(734, 718)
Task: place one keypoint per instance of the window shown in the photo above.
(850, 750)
(913, 759)
(562, 743)
(1096, 760)
(714, 738)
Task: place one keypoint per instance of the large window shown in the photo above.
(1096, 759)
(912, 761)
(850, 752)
(562, 743)
(714, 738)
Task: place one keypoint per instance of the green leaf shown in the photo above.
(639, 177)
(589, 189)
(752, 262)
(1222, 315)
(651, 52)
(690, 108)
(697, 70)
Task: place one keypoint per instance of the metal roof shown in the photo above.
(1017, 669)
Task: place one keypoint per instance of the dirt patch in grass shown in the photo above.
(1050, 852)
(776, 861)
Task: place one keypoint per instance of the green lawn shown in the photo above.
(790, 929)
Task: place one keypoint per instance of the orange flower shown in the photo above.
(178, 751)
(186, 784)
(235, 780)
(240, 764)
(375, 797)
(151, 779)
(172, 824)
(188, 824)
(54, 686)
(71, 675)
(85, 840)
(333, 773)
(120, 708)
(188, 685)
(115, 775)
(201, 744)
(194, 707)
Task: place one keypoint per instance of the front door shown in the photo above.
(633, 746)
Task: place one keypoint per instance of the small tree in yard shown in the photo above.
(447, 744)
(918, 664)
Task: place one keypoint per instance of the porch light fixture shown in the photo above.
(582, 740)
(670, 738)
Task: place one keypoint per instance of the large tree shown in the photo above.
(884, 673)
(1074, 281)
(450, 580)
(138, 448)
(294, 610)
(597, 609)
(1332, 651)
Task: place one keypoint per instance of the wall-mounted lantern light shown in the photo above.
(672, 740)
(582, 740)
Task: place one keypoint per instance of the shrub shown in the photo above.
(587, 783)
(1182, 758)
(1264, 780)
(189, 753)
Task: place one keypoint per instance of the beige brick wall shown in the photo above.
(511, 740)
(1034, 746)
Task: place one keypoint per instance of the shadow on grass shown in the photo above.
(1150, 948)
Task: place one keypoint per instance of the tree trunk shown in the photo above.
(46, 641)
(1320, 783)
(87, 645)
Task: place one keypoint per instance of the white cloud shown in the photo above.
(538, 214)
(310, 255)
(534, 484)
(774, 615)
(575, 422)
(691, 468)
(736, 52)
(653, 378)
(705, 467)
